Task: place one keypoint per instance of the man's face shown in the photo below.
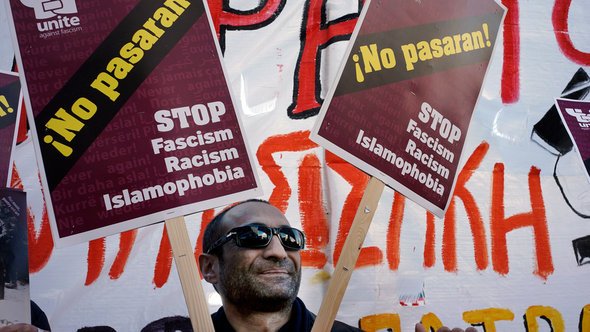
(264, 279)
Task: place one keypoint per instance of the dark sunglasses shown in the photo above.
(259, 236)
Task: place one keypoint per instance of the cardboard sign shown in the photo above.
(134, 122)
(10, 98)
(575, 115)
(405, 95)
(14, 258)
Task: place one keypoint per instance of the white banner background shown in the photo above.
(80, 287)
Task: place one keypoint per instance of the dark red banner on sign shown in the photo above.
(575, 114)
(404, 99)
(133, 117)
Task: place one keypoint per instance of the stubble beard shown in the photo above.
(244, 288)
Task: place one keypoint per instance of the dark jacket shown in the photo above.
(301, 321)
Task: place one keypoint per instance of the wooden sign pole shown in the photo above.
(348, 257)
(189, 276)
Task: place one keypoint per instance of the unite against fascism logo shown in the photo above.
(55, 16)
(582, 116)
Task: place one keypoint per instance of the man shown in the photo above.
(256, 273)
(258, 286)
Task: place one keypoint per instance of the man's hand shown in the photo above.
(420, 328)
(19, 328)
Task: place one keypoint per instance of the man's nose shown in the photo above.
(275, 248)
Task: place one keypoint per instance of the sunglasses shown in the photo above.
(259, 236)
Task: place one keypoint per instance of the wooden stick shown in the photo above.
(189, 276)
(348, 257)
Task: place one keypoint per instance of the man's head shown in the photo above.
(261, 279)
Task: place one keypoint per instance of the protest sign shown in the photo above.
(403, 102)
(9, 111)
(133, 119)
(575, 115)
(14, 258)
(402, 105)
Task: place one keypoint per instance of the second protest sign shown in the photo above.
(133, 119)
(405, 95)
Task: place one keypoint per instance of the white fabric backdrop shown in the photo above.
(77, 287)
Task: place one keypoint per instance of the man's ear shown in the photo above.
(209, 266)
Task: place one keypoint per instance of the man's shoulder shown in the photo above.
(339, 326)
(343, 327)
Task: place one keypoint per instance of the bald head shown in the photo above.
(223, 222)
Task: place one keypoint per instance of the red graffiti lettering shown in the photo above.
(315, 223)
(40, 242)
(316, 35)
(163, 261)
(96, 252)
(96, 256)
(164, 258)
(126, 241)
(296, 141)
(429, 245)
(449, 254)
(510, 67)
(358, 180)
(559, 18)
(449, 241)
(225, 18)
(313, 214)
(393, 232)
(500, 225)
